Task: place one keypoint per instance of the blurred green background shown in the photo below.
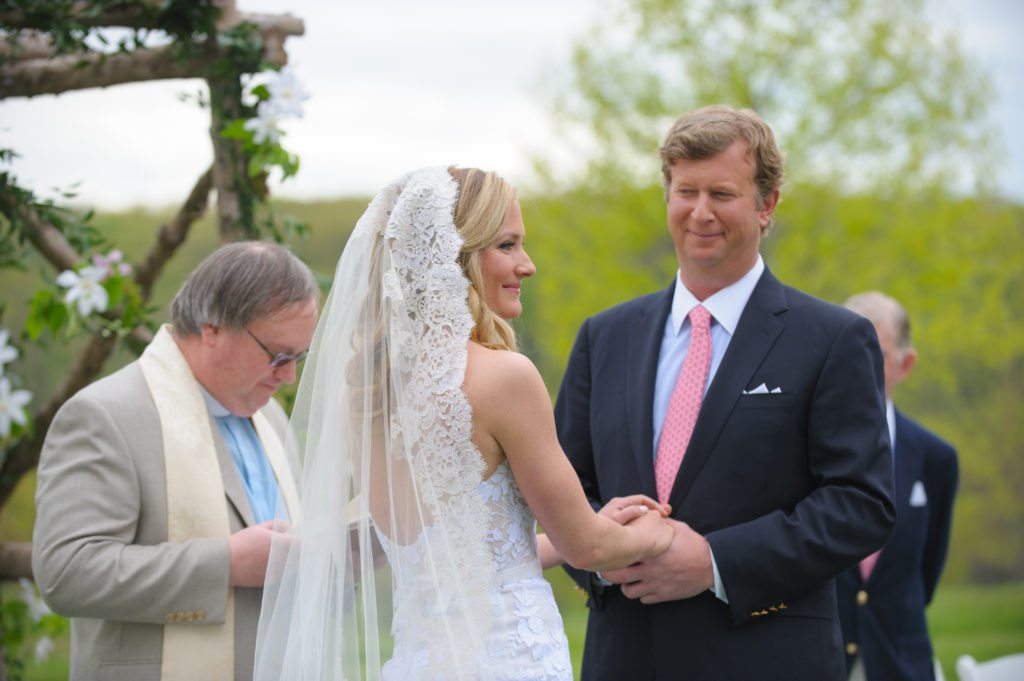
(955, 263)
(892, 160)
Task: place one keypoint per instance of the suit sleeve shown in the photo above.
(848, 511)
(572, 420)
(88, 507)
(942, 469)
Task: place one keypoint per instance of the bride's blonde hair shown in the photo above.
(484, 201)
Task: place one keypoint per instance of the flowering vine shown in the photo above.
(26, 619)
(13, 417)
(276, 96)
(91, 292)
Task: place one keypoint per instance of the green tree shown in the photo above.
(889, 156)
(863, 94)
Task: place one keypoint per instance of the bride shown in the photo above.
(428, 449)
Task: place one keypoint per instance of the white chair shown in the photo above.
(1008, 668)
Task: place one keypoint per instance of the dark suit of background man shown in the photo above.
(786, 480)
(882, 601)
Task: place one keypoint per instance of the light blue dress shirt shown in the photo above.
(726, 306)
(250, 459)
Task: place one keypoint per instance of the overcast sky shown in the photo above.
(395, 84)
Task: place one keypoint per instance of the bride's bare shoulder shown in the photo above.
(504, 371)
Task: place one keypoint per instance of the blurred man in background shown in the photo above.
(882, 600)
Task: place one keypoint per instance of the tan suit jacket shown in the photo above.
(100, 551)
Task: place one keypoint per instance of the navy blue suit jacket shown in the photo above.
(887, 622)
(790, 489)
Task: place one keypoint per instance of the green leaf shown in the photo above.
(114, 287)
(235, 130)
(38, 314)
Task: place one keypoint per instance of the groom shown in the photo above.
(755, 410)
(156, 483)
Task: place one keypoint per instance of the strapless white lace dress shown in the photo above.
(527, 638)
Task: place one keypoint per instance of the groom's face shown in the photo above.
(241, 376)
(715, 215)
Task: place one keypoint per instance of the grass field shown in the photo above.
(983, 621)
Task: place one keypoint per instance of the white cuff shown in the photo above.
(719, 589)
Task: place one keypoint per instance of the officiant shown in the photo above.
(158, 485)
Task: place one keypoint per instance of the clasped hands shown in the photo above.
(683, 570)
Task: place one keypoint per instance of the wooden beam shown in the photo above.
(26, 44)
(39, 76)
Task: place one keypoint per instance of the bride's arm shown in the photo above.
(511, 403)
(622, 510)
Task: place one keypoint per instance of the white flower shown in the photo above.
(85, 288)
(36, 608)
(265, 126)
(8, 353)
(44, 646)
(286, 93)
(107, 263)
(12, 405)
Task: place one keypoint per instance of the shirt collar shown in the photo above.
(725, 305)
(216, 409)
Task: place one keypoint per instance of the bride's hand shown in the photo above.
(654, 527)
(624, 510)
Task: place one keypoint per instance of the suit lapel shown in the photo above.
(643, 345)
(756, 332)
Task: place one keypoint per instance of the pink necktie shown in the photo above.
(868, 564)
(681, 416)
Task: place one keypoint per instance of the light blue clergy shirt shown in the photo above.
(250, 459)
(725, 307)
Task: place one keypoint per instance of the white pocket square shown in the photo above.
(917, 496)
(762, 390)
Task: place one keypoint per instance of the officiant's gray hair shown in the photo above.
(240, 283)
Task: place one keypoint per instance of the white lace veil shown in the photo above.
(382, 430)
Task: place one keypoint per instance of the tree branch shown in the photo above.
(15, 560)
(172, 234)
(31, 77)
(24, 456)
(47, 239)
(54, 75)
(26, 45)
(83, 13)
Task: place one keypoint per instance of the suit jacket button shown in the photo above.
(851, 648)
(169, 617)
(200, 615)
(862, 597)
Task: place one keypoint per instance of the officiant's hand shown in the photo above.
(623, 510)
(249, 551)
(683, 571)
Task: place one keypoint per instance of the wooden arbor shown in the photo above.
(43, 50)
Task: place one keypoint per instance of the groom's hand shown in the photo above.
(683, 571)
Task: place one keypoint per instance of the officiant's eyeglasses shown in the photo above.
(277, 359)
